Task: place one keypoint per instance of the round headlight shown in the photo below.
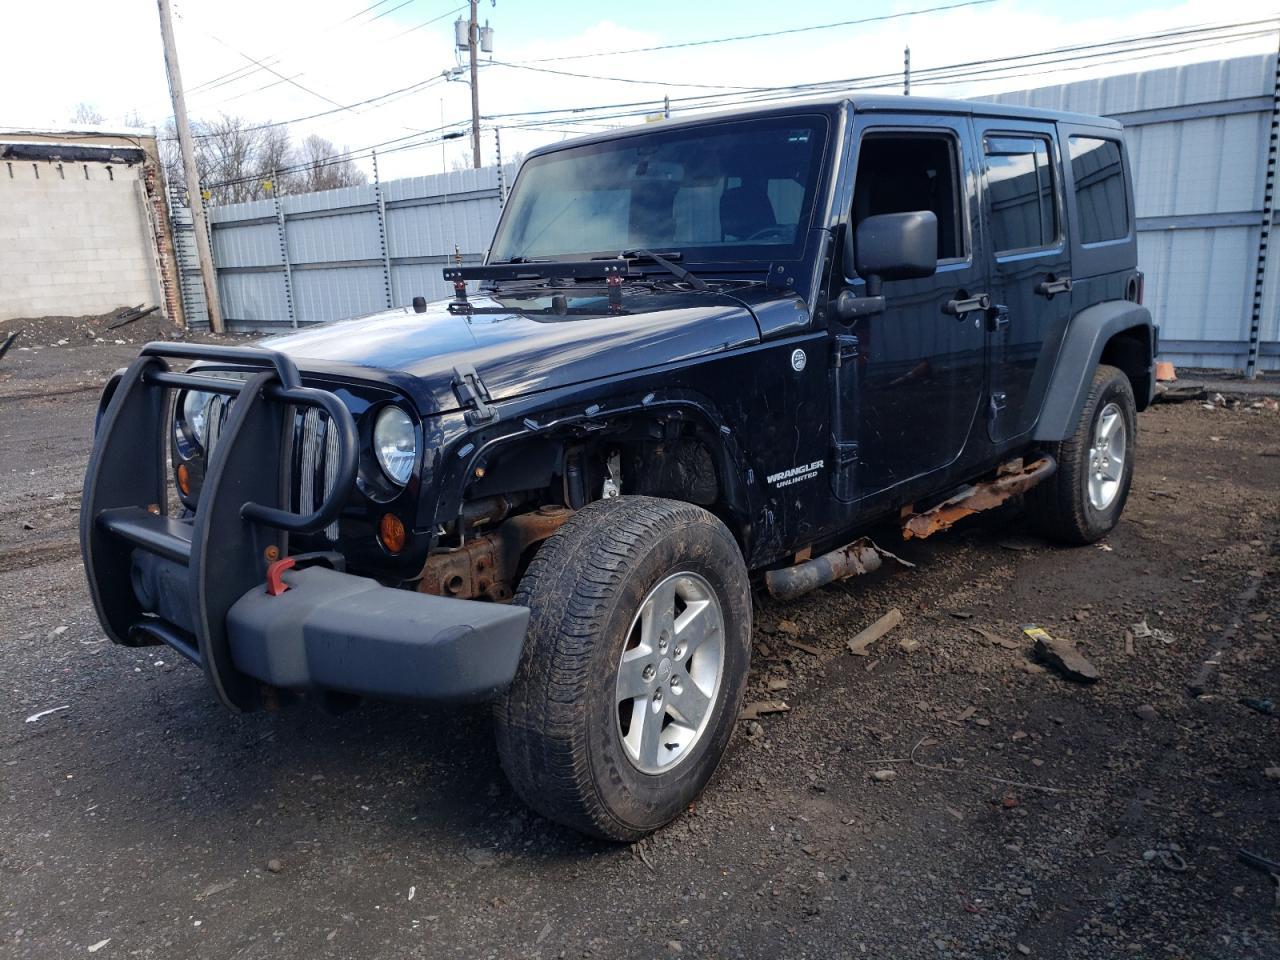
(193, 422)
(396, 444)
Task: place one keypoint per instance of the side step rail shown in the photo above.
(242, 520)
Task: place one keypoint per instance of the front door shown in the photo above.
(908, 382)
(1030, 269)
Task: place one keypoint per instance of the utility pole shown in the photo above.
(473, 41)
(194, 197)
(906, 71)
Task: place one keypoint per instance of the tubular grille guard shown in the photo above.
(332, 429)
(246, 508)
(315, 460)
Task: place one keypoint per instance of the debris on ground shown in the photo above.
(44, 713)
(997, 639)
(8, 342)
(274, 866)
(1061, 654)
(1270, 867)
(1143, 632)
(130, 315)
(1263, 705)
(1146, 712)
(807, 648)
(1180, 393)
(869, 635)
(884, 776)
(1168, 858)
(760, 708)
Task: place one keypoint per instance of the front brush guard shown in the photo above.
(242, 520)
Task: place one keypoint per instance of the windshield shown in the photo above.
(730, 191)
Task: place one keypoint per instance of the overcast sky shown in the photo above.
(108, 53)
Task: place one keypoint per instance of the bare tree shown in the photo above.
(238, 160)
(133, 118)
(86, 113)
(325, 167)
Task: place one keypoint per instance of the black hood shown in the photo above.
(518, 349)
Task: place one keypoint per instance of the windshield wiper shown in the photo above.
(677, 271)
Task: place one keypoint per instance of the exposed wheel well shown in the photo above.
(1130, 351)
(520, 496)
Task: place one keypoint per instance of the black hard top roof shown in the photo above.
(869, 103)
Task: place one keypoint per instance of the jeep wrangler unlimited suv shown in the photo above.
(701, 355)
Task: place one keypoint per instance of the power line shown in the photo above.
(380, 99)
(1192, 34)
(1137, 47)
(277, 73)
(769, 33)
(358, 13)
(244, 72)
(594, 76)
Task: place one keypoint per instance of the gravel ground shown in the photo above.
(1025, 815)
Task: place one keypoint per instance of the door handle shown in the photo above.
(958, 308)
(1051, 285)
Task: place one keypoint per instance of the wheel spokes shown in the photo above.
(650, 739)
(689, 702)
(698, 623)
(658, 615)
(633, 680)
(669, 673)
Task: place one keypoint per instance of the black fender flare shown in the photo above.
(1082, 347)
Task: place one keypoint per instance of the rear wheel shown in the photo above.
(1082, 502)
(633, 669)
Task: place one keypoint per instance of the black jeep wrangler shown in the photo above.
(701, 355)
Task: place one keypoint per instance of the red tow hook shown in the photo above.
(275, 575)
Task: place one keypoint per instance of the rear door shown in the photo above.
(1030, 268)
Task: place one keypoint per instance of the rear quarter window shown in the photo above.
(1102, 202)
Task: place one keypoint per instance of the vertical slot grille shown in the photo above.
(317, 465)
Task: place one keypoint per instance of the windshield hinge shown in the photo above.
(778, 278)
(473, 394)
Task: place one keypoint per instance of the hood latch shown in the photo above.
(473, 394)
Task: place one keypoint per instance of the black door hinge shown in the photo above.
(473, 394)
(846, 349)
(845, 451)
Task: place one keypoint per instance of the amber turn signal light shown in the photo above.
(184, 479)
(391, 532)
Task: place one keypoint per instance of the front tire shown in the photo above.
(633, 668)
(1082, 502)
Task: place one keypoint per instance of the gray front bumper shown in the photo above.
(336, 631)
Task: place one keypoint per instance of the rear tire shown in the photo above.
(1082, 502)
(574, 742)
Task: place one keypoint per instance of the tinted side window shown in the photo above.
(1024, 215)
(909, 172)
(1102, 206)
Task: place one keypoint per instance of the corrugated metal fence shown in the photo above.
(1203, 164)
(1200, 139)
(333, 254)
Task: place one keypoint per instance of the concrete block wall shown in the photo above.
(75, 238)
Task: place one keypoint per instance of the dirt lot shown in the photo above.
(1027, 815)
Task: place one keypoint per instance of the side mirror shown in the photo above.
(891, 246)
(897, 246)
